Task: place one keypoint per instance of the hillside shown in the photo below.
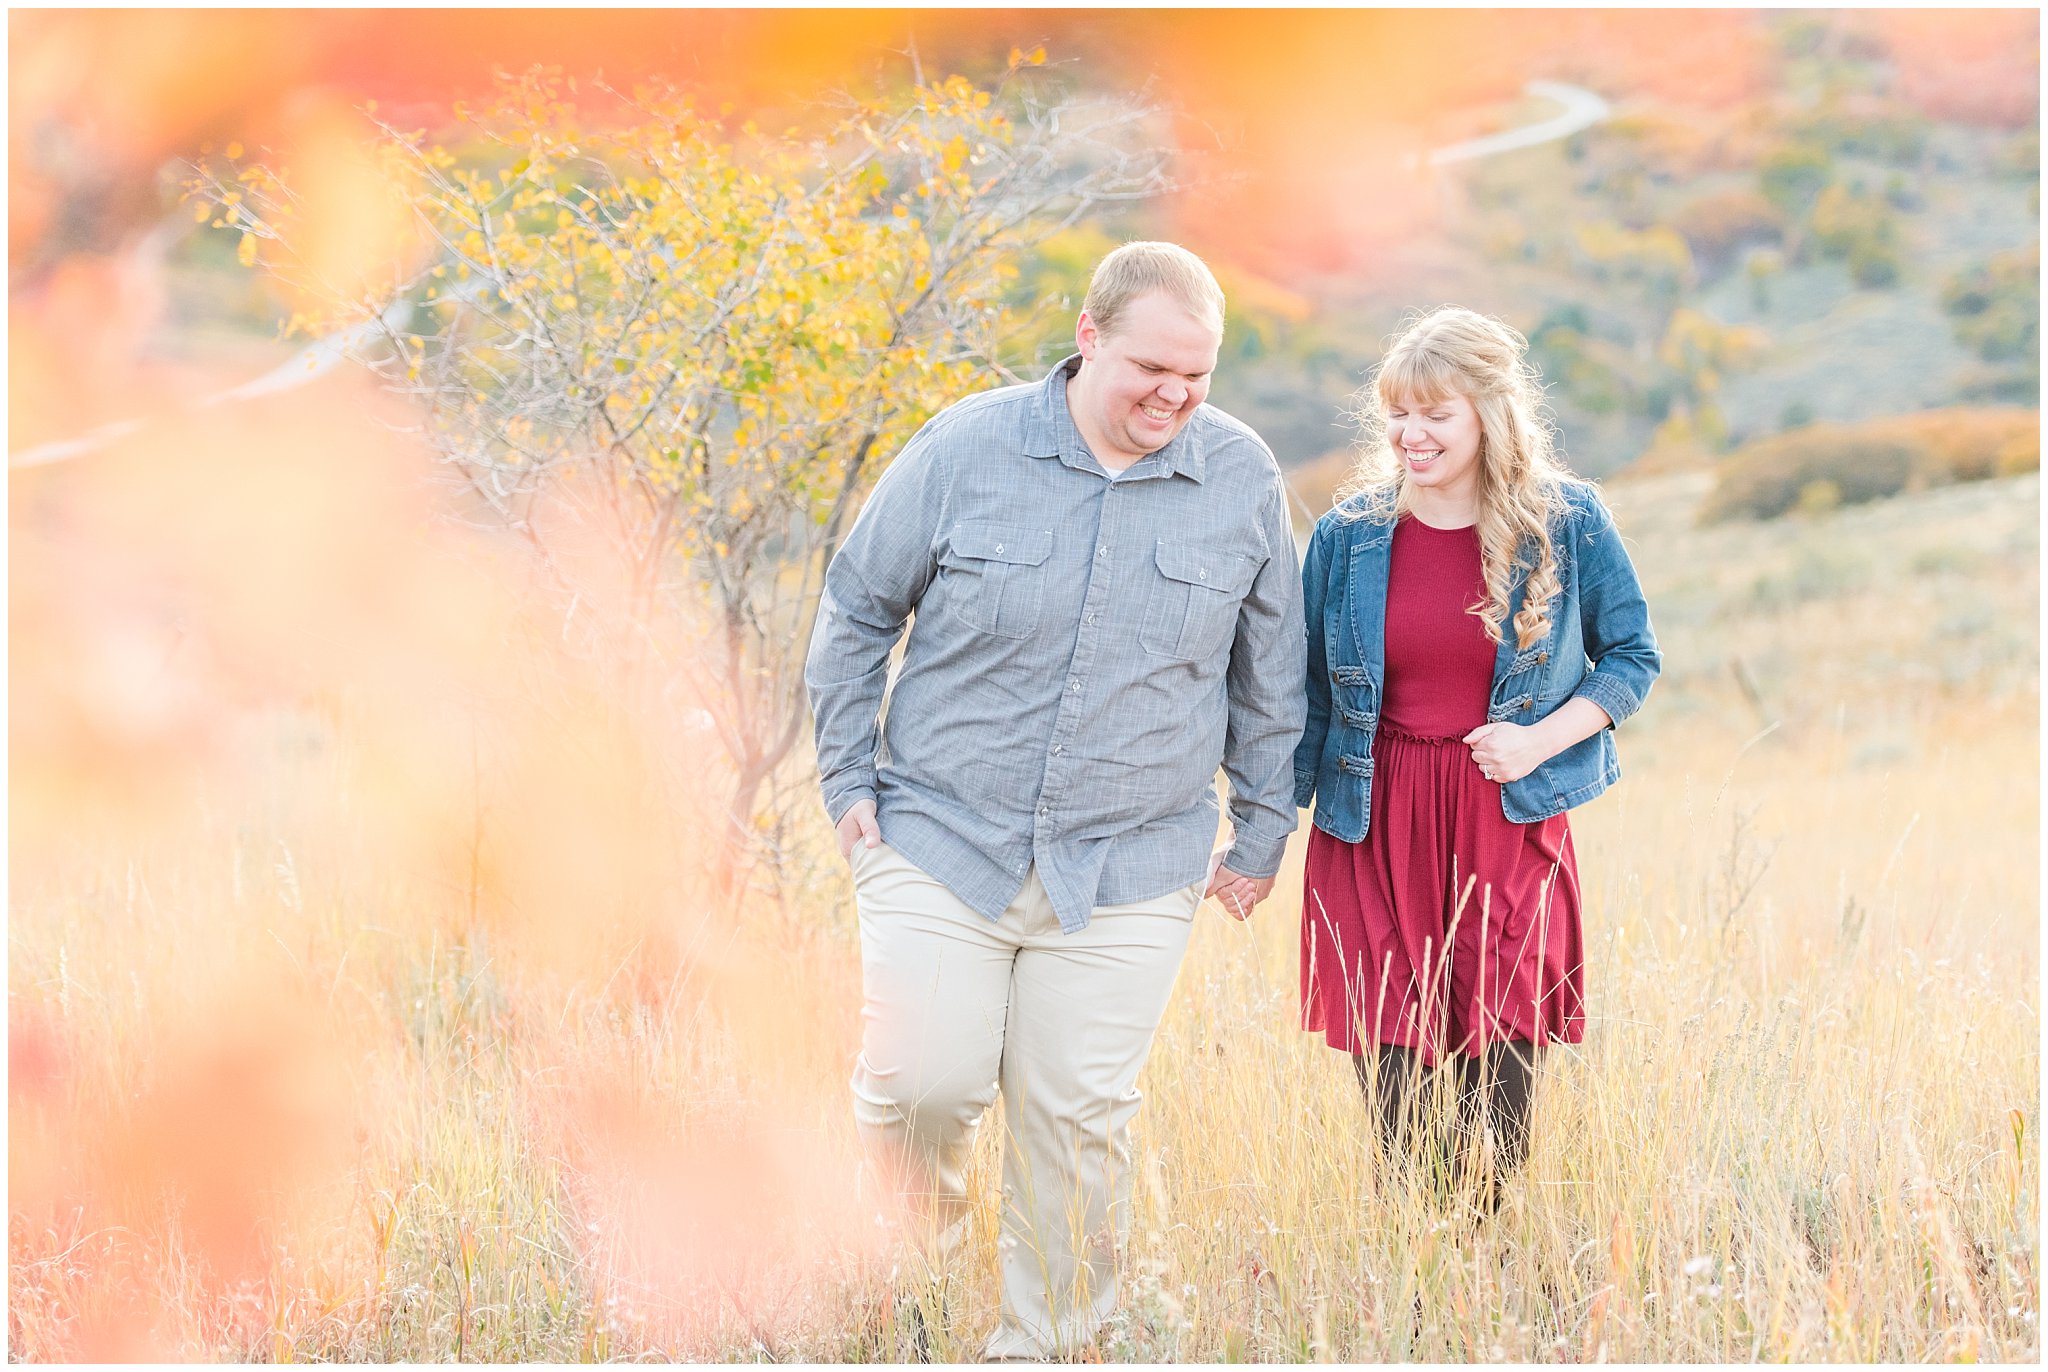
(1858, 622)
(1690, 279)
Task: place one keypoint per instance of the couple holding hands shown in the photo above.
(1107, 605)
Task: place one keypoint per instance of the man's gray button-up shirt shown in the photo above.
(1086, 648)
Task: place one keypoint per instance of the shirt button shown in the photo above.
(999, 547)
(1203, 573)
(1056, 749)
(1074, 685)
(1045, 809)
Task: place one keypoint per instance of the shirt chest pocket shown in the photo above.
(1192, 607)
(995, 576)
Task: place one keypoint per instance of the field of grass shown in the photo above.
(398, 1023)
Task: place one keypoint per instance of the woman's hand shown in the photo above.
(1236, 893)
(1506, 752)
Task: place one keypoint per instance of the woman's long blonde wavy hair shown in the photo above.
(1454, 351)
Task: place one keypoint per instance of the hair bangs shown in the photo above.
(1421, 376)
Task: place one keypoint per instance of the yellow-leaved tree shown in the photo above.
(704, 341)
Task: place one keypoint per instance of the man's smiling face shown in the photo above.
(1139, 383)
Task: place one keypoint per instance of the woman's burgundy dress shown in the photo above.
(1440, 868)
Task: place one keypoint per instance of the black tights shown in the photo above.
(1498, 1085)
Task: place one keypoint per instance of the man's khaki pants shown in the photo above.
(958, 1006)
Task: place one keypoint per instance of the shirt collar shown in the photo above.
(1050, 431)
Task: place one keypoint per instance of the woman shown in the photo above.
(1475, 629)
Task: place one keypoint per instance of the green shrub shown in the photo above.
(1764, 479)
(1862, 228)
(1590, 371)
(1819, 466)
(1995, 306)
(1818, 497)
(1792, 174)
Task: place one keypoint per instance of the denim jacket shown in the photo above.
(1599, 646)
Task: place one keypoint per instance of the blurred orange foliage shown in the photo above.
(319, 802)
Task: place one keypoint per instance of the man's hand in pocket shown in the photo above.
(857, 825)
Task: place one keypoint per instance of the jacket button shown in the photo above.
(1333, 678)
(1527, 701)
(1543, 656)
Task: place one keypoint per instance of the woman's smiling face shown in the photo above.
(1438, 444)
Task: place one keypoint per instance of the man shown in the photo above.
(1107, 605)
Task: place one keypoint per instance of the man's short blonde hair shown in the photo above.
(1138, 268)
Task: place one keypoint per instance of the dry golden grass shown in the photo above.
(393, 1024)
